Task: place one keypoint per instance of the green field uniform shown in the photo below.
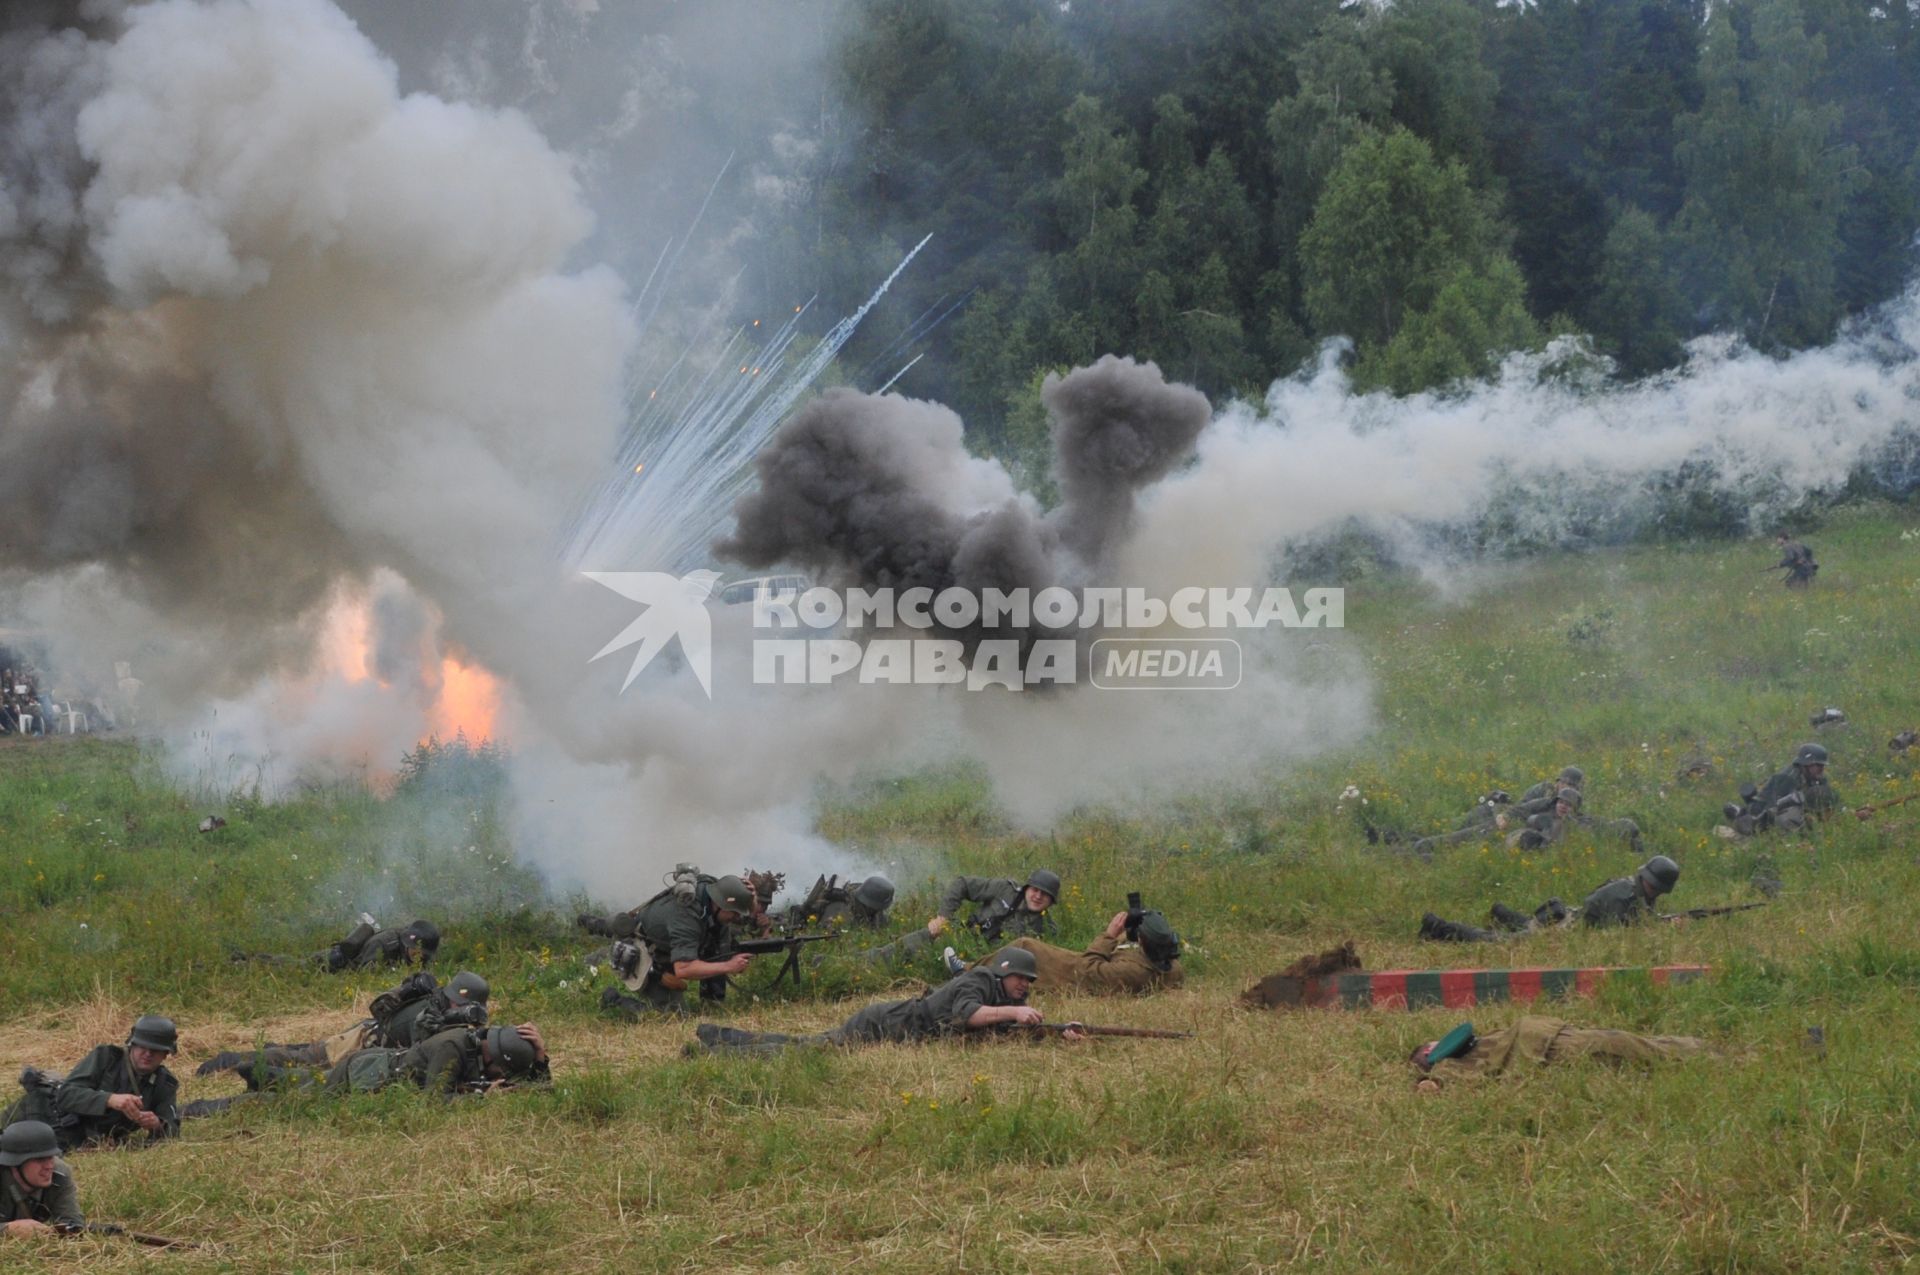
(1540, 1041)
(1620, 901)
(365, 947)
(82, 1099)
(673, 930)
(1105, 967)
(441, 1064)
(420, 1020)
(942, 1012)
(1817, 797)
(1000, 912)
(58, 1204)
(1551, 829)
(1798, 560)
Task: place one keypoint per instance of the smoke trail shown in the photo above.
(1532, 459)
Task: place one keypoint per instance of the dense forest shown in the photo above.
(1221, 186)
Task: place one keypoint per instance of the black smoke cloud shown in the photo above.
(880, 492)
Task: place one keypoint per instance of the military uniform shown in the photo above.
(942, 1012)
(1548, 829)
(1000, 912)
(1481, 822)
(1620, 901)
(77, 1108)
(1785, 801)
(365, 947)
(441, 1064)
(1798, 560)
(673, 929)
(833, 904)
(1538, 1041)
(1105, 967)
(57, 1205)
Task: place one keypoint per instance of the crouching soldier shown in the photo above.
(1150, 963)
(1789, 798)
(681, 938)
(991, 997)
(114, 1093)
(36, 1186)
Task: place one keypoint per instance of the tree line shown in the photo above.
(1222, 185)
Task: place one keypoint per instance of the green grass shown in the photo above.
(1269, 1139)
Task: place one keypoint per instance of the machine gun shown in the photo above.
(788, 943)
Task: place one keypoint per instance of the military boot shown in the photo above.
(1508, 919)
(1436, 930)
(1552, 912)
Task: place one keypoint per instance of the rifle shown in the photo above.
(1867, 812)
(114, 1228)
(1699, 914)
(1144, 1033)
(788, 943)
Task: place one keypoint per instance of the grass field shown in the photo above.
(1268, 1140)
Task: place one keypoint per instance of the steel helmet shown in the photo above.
(511, 1051)
(25, 1140)
(151, 1031)
(1663, 872)
(1014, 960)
(1047, 880)
(467, 988)
(875, 894)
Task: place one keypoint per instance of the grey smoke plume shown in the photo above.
(1117, 428)
(879, 491)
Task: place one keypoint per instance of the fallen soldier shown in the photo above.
(1462, 1055)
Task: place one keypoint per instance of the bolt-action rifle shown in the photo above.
(114, 1228)
(1700, 914)
(1868, 812)
(1144, 1033)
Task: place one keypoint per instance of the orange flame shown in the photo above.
(466, 697)
(468, 702)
